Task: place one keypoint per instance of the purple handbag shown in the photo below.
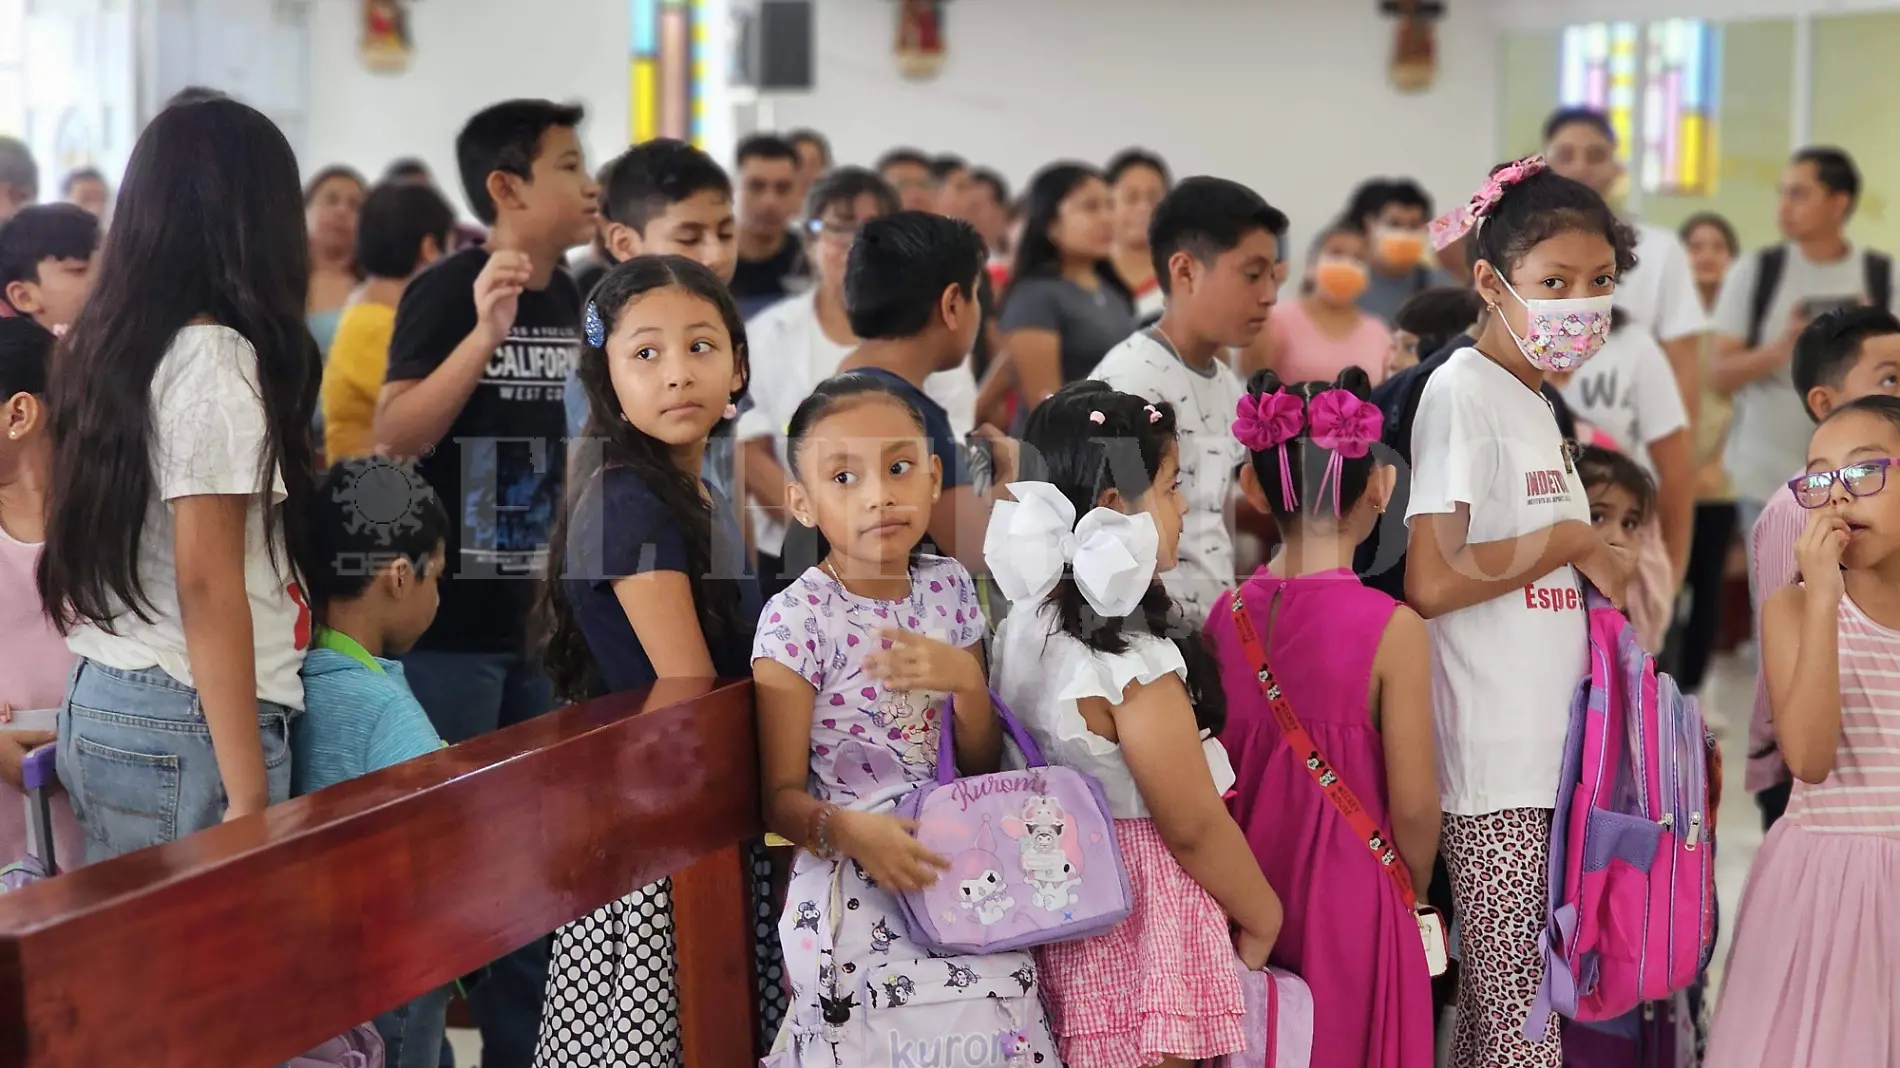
(39, 862)
(1033, 855)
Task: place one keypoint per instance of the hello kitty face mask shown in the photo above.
(1562, 334)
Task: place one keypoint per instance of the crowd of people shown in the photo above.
(330, 479)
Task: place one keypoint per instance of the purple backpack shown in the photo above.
(359, 1047)
(1632, 873)
(1279, 1022)
(39, 862)
(1033, 856)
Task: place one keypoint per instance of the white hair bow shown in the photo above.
(1032, 538)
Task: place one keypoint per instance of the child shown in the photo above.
(401, 230)
(1323, 332)
(1085, 658)
(373, 592)
(1840, 357)
(180, 411)
(34, 660)
(1499, 531)
(890, 634)
(1812, 976)
(47, 253)
(1214, 244)
(1623, 501)
(1356, 668)
(648, 584)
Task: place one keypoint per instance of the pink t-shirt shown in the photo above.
(34, 663)
(1305, 354)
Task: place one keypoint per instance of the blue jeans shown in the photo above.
(136, 759)
(412, 1033)
(465, 695)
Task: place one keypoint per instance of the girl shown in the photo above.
(1499, 530)
(181, 406)
(1623, 510)
(851, 696)
(1324, 332)
(1086, 659)
(1066, 306)
(1814, 976)
(330, 203)
(1356, 668)
(650, 585)
(1137, 181)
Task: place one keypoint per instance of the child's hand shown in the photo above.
(1609, 569)
(1818, 553)
(888, 850)
(1005, 454)
(1253, 949)
(14, 746)
(498, 293)
(914, 662)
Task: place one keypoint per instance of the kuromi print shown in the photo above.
(1051, 865)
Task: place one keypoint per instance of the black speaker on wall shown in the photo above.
(774, 45)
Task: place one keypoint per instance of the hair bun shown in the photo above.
(1354, 380)
(1264, 383)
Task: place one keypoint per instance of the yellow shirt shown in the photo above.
(352, 379)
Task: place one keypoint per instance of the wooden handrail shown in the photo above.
(245, 944)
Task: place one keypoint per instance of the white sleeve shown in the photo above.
(955, 389)
(1659, 410)
(1454, 452)
(1679, 312)
(1731, 308)
(209, 426)
(769, 366)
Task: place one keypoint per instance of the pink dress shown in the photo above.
(1306, 354)
(1347, 933)
(1813, 980)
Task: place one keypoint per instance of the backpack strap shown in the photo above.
(1770, 266)
(1878, 269)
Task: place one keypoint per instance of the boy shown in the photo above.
(483, 342)
(665, 198)
(955, 188)
(47, 254)
(908, 171)
(771, 258)
(1842, 356)
(1215, 244)
(814, 158)
(910, 289)
(1394, 214)
(374, 590)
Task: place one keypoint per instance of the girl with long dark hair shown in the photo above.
(1067, 306)
(181, 406)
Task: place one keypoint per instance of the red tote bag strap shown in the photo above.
(1328, 780)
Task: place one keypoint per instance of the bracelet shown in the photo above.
(819, 833)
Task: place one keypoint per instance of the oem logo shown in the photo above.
(384, 498)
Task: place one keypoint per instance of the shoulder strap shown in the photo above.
(1879, 270)
(1768, 272)
(1322, 771)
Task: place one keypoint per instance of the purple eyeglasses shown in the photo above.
(1863, 479)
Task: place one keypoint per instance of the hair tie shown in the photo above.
(1154, 414)
(1345, 425)
(1269, 421)
(1097, 418)
(596, 330)
(1455, 224)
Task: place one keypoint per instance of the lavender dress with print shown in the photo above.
(866, 742)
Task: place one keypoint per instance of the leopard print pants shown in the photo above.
(1499, 884)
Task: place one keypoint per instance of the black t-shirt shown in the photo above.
(621, 528)
(498, 469)
(757, 284)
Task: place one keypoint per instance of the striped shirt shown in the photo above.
(1862, 795)
(1771, 566)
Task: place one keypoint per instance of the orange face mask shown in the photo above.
(1340, 280)
(1401, 247)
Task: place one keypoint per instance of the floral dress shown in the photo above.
(847, 950)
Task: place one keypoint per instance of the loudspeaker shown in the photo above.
(773, 45)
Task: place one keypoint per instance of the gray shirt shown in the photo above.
(1089, 321)
(1768, 440)
(1386, 294)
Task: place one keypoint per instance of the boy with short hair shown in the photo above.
(908, 171)
(771, 258)
(1394, 215)
(47, 255)
(1215, 244)
(1841, 357)
(955, 188)
(373, 592)
(482, 346)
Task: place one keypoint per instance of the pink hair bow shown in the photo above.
(1454, 225)
(1269, 422)
(1345, 425)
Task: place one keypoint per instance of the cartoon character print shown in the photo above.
(977, 875)
(1051, 859)
(1326, 776)
(961, 978)
(1025, 977)
(837, 1014)
(807, 916)
(907, 715)
(881, 937)
(898, 990)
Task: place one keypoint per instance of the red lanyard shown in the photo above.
(1323, 774)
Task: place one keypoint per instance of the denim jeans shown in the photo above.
(465, 695)
(136, 759)
(412, 1033)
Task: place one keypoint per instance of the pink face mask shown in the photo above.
(1562, 334)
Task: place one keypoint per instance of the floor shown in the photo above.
(1728, 696)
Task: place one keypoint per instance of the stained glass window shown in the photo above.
(668, 70)
(1672, 64)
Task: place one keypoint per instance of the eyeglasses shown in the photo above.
(1863, 479)
(842, 231)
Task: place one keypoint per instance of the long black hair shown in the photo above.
(209, 225)
(1083, 458)
(1308, 462)
(569, 663)
(1037, 255)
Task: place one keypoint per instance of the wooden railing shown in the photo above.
(243, 945)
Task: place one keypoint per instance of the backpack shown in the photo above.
(1877, 268)
(1279, 1022)
(1631, 914)
(39, 863)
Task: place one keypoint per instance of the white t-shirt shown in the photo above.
(789, 354)
(209, 430)
(1504, 671)
(1629, 392)
(1768, 439)
(1660, 294)
(1204, 413)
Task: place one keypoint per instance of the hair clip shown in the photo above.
(1097, 418)
(1154, 414)
(596, 330)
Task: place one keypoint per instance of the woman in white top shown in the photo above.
(1500, 529)
(181, 471)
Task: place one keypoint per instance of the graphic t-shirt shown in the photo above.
(1503, 671)
(498, 469)
(1628, 391)
(1204, 413)
(209, 431)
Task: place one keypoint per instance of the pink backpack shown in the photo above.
(1632, 872)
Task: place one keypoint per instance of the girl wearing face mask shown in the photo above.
(1324, 332)
(1500, 538)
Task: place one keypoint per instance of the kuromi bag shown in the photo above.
(1033, 856)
